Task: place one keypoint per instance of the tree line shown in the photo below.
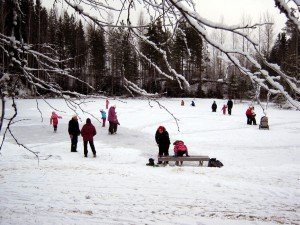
(104, 57)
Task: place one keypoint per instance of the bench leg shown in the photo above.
(200, 163)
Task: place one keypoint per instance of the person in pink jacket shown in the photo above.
(54, 120)
(180, 149)
(113, 120)
(224, 108)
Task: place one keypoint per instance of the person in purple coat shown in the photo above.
(113, 120)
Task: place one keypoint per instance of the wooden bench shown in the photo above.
(199, 158)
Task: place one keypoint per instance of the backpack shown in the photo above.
(264, 123)
(213, 162)
(151, 162)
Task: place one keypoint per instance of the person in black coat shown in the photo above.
(74, 132)
(163, 141)
(214, 106)
(229, 106)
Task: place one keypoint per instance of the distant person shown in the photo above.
(249, 115)
(74, 132)
(163, 141)
(253, 115)
(112, 119)
(224, 109)
(229, 106)
(103, 117)
(106, 103)
(193, 103)
(54, 120)
(214, 106)
(182, 103)
(180, 149)
(88, 132)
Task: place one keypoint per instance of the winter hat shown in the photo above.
(88, 120)
(161, 128)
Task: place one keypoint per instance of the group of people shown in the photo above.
(163, 141)
(88, 131)
(224, 108)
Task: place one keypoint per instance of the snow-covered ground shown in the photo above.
(259, 183)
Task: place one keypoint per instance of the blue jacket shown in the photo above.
(103, 114)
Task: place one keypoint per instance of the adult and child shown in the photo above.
(225, 107)
(250, 114)
(163, 141)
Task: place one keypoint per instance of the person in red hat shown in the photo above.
(163, 141)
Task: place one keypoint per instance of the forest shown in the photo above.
(105, 58)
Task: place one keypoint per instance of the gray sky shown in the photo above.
(231, 10)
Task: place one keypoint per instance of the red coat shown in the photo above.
(249, 112)
(179, 146)
(88, 132)
(54, 119)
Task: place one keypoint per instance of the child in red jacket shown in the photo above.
(54, 120)
(180, 149)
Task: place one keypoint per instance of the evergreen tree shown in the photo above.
(80, 55)
(97, 52)
(159, 37)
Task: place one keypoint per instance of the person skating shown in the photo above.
(214, 106)
(54, 120)
(163, 141)
(74, 132)
(88, 132)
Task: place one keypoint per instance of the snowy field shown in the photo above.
(259, 183)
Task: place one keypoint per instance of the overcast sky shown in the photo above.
(231, 10)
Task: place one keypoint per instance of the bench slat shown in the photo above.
(183, 158)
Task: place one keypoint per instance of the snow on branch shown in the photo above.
(195, 20)
(291, 11)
